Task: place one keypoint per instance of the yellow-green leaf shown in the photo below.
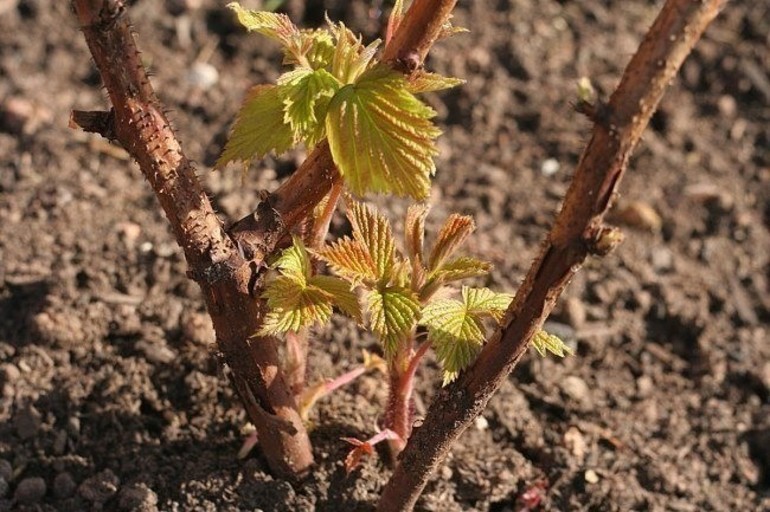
(414, 228)
(393, 313)
(424, 81)
(485, 302)
(297, 299)
(372, 230)
(306, 95)
(259, 127)
(381, 136)
(351, 58)
(463, 267)
(294, 262)
(455, 333)
(453, 233)
(544, 342)
(275, 26)
(293, 306)
(341, 293)
(350, 259)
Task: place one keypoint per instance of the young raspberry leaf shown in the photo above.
(275, 26)
(463, 267)
(453, 233)
(342, 295)
(351, 58)
(259, 127)
(381, 136)
(544, 342)
(424, 81)
(414, 228)
(393, 313)
(483, 302)
(394, 20)
(320, 48)
(456, 329)
(306, 96)
(350, 259)
(297, 299)
(372, 230)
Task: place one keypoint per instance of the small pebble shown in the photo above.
(155, 352)
(640, 215)
(550, 167)
(765, 375)
(481, 423)
(203, 75)
(6, 470)
(576, 443)
(60, 442)
(575, 388)
(644, 386)
(138, 497)
(575, 311)
(591, 476)
(100, 487)
(662, 259)
(9, 373)
(63, 485)
(27, 422)
(30, 491)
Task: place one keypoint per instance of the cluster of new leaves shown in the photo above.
(398, 290)
(380, 135)
(297, 298)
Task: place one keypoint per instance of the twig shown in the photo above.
(577, 232)
(138, 123)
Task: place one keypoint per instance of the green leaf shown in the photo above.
(485, 302)
(381, 137)
(455, 333)
(351, 58)
(414, 227)
(460, 268)
(424, 81)
(293, 306)
(259, 127)
(306, 95)
(544, 342)
(341, 293)
(350, 259)
(372, 230)
(294, 262)
(453, 233)
(320, 48)
(414, 230)
(297, 299)
(393, 313)
(456, 329)
(275, 26)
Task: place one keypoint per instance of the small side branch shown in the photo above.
(577, 232)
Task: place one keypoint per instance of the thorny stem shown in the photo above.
(399, 414)
(577, 232)
(138, 123)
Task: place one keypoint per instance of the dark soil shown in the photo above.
(111, 398)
